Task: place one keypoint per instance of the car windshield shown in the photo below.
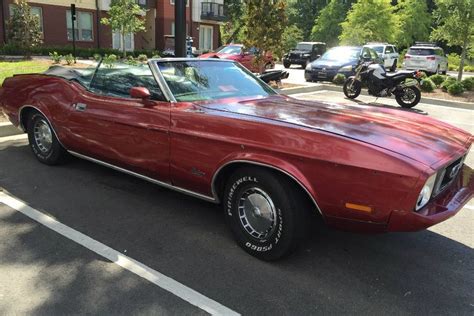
(201, 80)
(302, 46)
(231, 50)
(421, 51)
(378, 49)
(342, 54)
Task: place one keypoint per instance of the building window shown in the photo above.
(205, 37)
(82, 26)
(128, 41)
(37, 11)
(173, 32)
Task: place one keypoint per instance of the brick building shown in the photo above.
(202, 23)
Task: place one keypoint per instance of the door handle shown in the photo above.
(81, 107)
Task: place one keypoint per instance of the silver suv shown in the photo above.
(387, 52)
(427, 57)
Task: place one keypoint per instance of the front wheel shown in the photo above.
(408, 97)
(266, 212)
(43, 141)
(286, 64)
(352, 88)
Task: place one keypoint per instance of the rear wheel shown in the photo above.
(266, 213)
(408, 97)
(352, 88)
(43, 140)
(446, 70)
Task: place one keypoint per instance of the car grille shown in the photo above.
(447, 175)
(294, 55)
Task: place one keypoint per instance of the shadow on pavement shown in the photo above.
(186, 239)
(381, 105)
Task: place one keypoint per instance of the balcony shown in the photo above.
(212, 11)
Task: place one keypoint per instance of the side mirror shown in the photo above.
(140, 93)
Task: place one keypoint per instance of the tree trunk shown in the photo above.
(463, 57)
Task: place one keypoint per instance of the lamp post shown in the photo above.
(180, 28)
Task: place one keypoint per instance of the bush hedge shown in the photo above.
(438, 79)
(66, 50)
(468, 83)
(449, 81)
(427, 85)
(339, 79)
(456, 88)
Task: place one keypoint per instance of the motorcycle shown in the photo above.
(403, 84)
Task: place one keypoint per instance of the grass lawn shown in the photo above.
(8, 69)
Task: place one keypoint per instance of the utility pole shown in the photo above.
(73, 21)
(180, 28)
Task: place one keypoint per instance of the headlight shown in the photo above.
(425, 193)
(306, 55)
(346, 68)
(309, 66)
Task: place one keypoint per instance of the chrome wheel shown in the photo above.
(257, 213)
(408, 95)
(43, 136)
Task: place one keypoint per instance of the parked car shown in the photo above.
(427, 57)
(304, 53)
(388, 53)
(240, 54)
(209, 128)
(341, 59)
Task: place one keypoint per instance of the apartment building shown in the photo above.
(203, 19)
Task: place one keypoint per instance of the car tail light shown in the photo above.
(431, 58)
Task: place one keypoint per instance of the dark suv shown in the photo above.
(304, 53)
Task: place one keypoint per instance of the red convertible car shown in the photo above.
(211, 129)
(242, 55)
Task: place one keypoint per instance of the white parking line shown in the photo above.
(185, 293)
(13, 137)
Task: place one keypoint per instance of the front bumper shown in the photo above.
(296, 60)
(444, 206)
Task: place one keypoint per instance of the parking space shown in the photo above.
(185, 239)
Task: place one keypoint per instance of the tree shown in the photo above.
(455, 25)
(290, 37)
(414, 22)
(369, 20)
(302, 14)
(327, 26)
(125, 18)
(264, 21)
(232, 29)
(23, 28)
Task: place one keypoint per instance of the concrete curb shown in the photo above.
(7, 129)
(432, 101)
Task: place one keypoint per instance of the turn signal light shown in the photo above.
(358, 207)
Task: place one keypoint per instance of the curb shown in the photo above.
(7, 129)
(431, 101)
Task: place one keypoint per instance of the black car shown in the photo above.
(341, 59)
(304, 53)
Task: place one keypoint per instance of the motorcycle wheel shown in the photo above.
(354, 91)
(408, 97)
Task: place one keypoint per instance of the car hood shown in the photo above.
(332, 63)
(415, 136)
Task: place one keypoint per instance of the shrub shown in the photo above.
(427, 85)
(110, 60)
(142, 58)
(449, 81)
(156, 56)
(69, 59)
(423, 75)
(339, 79)
(468, 83)
(97, 57)
(55, 57)
(456, 88)
(469, 68)
(453, 67)
(438, 79)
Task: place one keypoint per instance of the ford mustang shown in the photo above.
(211, 129)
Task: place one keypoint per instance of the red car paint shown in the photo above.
(247, 59)
(357, 154)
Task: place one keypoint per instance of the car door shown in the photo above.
(105, 123)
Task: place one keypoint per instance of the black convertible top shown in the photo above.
(66, 73)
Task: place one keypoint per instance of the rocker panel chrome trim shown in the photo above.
(140, 176)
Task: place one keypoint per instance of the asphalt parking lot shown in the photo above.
(143, 249)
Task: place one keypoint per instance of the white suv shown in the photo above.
(427, 57)
(387, 52)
